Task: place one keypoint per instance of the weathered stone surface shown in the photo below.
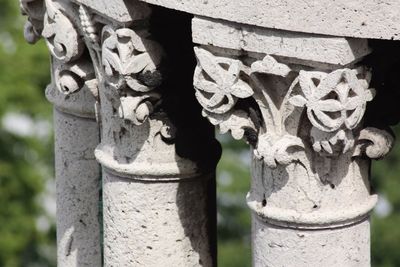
(310, 169)
(157, 199)
(354, 18)
(331, 50)
(123, 11)
(282, 247)
(73, 92)
(298, 99)
(156, 224)
(78, 191)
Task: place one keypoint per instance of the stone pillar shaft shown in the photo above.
(298, 100)
(150, 223)
(158, 192)
(78, 191)
(72, 91)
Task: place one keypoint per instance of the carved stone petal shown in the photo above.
(241, 89)
(323, 122)
(329, 83)
(139, 63)
(218, 103)
(208, 63)
(306, 82)
(298, 101)
(111, 62)
(269, 65)
(135, 85)
(200, 83)
(355, 118)
(134, 41)
(328, 105)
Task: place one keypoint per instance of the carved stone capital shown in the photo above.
(74, 87)
(305, 126)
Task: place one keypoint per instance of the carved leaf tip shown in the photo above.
(279, 150)
(374, 143)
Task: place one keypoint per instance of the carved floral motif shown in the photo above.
(130, 64)
(218, 82)
(334, 103)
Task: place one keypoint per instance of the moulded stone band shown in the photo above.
(159, 179)
(313, 220)
(168, 171)
(82, 104)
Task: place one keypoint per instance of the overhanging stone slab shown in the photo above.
(318, 48)
(353, 18)
(123, 11)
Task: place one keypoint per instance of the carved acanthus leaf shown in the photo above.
(237, 122)
(61, 36)
(221, 81)
(335, 100)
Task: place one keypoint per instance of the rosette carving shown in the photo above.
(335, 104)
(218, 82)
(130, 64)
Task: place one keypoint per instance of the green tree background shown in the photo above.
(27, 232)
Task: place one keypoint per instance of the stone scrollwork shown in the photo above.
(47, 19)
(72, 70)
(34, 9)
(70, 78)
(61, 36)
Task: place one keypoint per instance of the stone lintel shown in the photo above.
(352, 18)
(122, 11)
(311, 47)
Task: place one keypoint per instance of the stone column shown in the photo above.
(158, 154)
(298, 100)
(72, 91)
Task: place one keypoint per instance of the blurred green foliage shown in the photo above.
(25, 157)
(26, 162)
